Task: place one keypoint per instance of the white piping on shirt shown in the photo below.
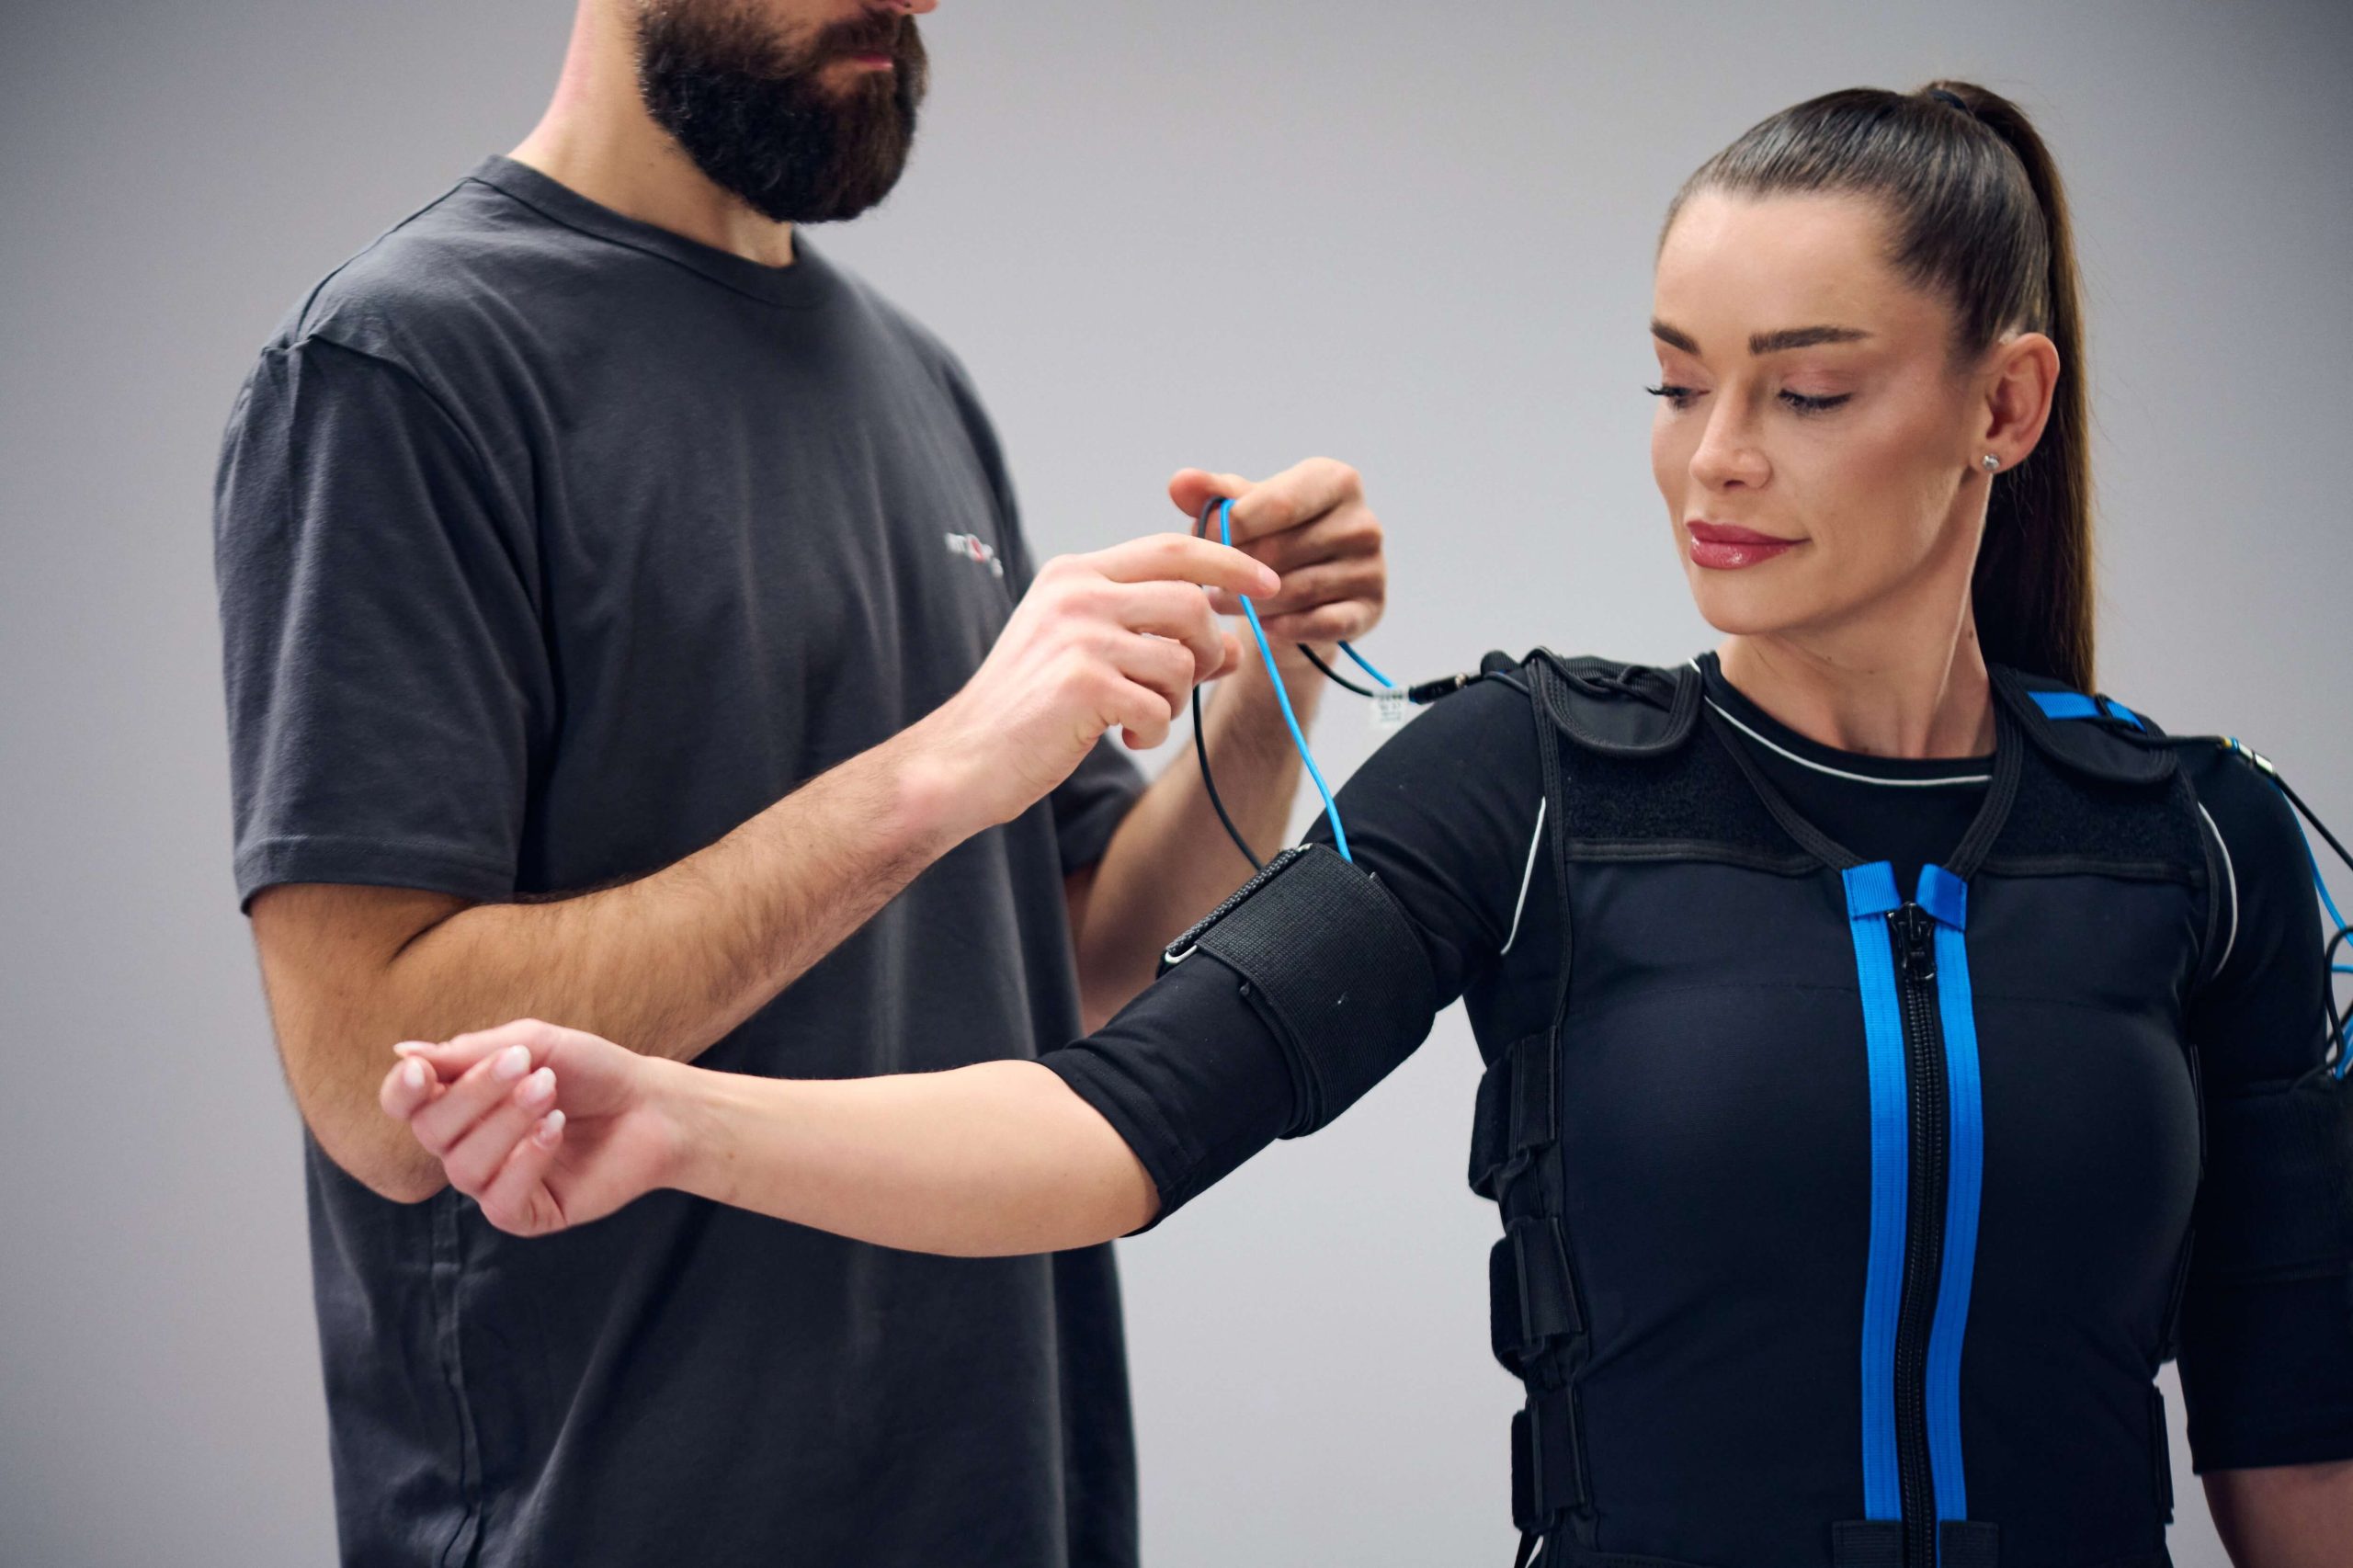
(1842, 773)
(1527, 876)
(2231, 874)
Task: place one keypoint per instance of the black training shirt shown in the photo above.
(551, 547)
(1446, 816)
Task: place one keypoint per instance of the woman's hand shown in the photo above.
(544, 1127)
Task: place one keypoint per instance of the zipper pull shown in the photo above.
(1915, 946)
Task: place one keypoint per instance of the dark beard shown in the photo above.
(745, 105)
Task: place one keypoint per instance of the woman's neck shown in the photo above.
(1880, 696)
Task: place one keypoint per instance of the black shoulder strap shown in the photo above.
(2090, 734)
(1618, 709)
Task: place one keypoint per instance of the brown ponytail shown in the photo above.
(1978, 213)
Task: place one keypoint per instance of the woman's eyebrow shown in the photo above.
(1762, 343)
(1790, 337)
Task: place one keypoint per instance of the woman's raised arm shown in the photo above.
(547, 1127)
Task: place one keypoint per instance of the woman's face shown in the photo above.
(1817, 447)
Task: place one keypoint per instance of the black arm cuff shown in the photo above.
(1188, 1075)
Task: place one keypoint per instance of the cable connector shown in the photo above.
(2261, 763)
(1431, 690)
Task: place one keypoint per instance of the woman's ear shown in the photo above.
(2023, 377)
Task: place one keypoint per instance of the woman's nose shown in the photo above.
(1728, 455)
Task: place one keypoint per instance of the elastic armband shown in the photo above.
(2277, 1202)
(1328, 959)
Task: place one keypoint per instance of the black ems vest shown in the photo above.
(1845, 1222)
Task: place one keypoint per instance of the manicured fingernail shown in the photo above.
(414, 1074)
(551, 1127)
(538, 1086)
(512, 1062)
(408, 1047)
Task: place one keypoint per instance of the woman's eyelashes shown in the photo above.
(1680, 398)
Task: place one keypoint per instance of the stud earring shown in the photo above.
(1991, 463)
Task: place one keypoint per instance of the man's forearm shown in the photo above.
(666, 964)
(669, 963)
(1171, 862)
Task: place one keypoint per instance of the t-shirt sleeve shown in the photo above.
(2266, 1325)
(387, 685)
(1194, 1078)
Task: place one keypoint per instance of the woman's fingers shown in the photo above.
(516, 1199)
(452, 1058)
(478, 1152)
(440, 1124)
(408, 1088)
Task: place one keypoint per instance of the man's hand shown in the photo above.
(1310, 523)
(1113, 639)
(544, 1127)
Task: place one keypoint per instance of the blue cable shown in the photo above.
(2345, 1039)
(1331, 807)
(1363, 664)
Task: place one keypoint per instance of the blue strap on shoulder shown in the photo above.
(2075, 705)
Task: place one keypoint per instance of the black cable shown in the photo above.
(1428, 692)
(2318, 826)
(1335, 676)
(1201, 750)
(2329, 993)
(2338, 1041)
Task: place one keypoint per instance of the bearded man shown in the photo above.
(627, 622)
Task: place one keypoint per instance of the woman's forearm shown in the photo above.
(983, 1161)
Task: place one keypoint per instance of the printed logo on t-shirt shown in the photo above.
(974, 548)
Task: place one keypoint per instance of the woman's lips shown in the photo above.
(1724, 548)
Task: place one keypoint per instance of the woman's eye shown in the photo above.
(1676, 397)
(1805, 405)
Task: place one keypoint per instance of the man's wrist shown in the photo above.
(1257, 720)
(926, 791)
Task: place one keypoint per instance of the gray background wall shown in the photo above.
(1222, 231)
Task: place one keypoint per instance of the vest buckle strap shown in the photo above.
(1960, 1543)
(1547, 1461)
(1515, 1117)
(1532, 1295)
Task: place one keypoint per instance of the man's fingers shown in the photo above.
(1191, 489)
(1342, 623)
(1311, 587)
(516, 1199)
(467, 1101)
(1180, 558)
(1177, 611)
(1299, 493)
(478, 1152)
(1165, 669)
(1142, 714)
(1350, 533)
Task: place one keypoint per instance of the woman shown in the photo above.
(1881, 1013)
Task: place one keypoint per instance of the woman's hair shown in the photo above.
(1977, 212)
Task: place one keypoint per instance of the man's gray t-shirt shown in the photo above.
(551, 547)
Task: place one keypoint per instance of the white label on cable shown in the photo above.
(1390, 711)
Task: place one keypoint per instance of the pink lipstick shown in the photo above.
(1724, 548)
